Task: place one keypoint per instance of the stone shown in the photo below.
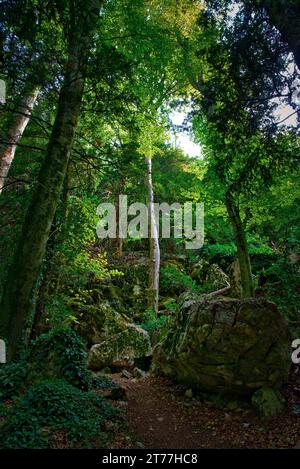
(126, 374)
(206, 273)
(140, 445)
(189, 393)
(130, 343)
(92, 322)
(137, 373)
(268, 402)
(226, 346)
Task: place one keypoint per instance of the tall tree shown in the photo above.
(149, 137)
(236, 115)
(16, 301)
(15, 132)
(285, 16)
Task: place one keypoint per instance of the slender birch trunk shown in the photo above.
(16, 303)
(15, 133)
(154, 250)
(242, 247)
(119, 239)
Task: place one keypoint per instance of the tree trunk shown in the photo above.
(242, 247)
(21, 281)
(285, 16)
(154, 250)
(15, 133)
(119, 239)
(58, 232)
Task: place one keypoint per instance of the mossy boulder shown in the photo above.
(268, 402)
(228, 346)
(133, 284)
(205, 273)
(91, 322)
(98, 322)
(125, 346)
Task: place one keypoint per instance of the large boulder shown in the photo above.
(130, 343)
(229, 346)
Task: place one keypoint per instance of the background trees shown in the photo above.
(93, 91)
(104, 102)
(242, 80)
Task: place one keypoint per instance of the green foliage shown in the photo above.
(154, 324)
(170, 304)
(59, 353)
(224, 254)
(59, 312)
(54, 410)
(173, 280)
(281, 283)
(221, 254)
(103, 382)
(12, 379)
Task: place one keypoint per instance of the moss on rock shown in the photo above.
(268, 402)
(229, 346)
(206, 273)
(130, 343)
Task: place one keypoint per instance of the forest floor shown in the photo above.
(159, 415)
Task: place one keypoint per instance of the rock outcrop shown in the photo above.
(229, 346)
(125, 346)
(211, 274)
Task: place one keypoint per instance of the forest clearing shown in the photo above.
(149, 225)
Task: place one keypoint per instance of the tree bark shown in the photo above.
(154, 250)
(285, 16)
(119, 239)
(15, 133)
(58, 232)
(16, 304)
(242, 247)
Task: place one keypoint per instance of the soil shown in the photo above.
(161, 416)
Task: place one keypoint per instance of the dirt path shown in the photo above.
(161, 416)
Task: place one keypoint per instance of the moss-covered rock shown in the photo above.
(228, 346)
(127, 345)
(205, 273)
(91, 322)
(268, 402)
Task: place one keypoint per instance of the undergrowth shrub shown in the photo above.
(103, 382)
(57, 414)
(12, 379)
(224, 255)
(59, 353)
(281, 284)
(172, 280)
(153, 324)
